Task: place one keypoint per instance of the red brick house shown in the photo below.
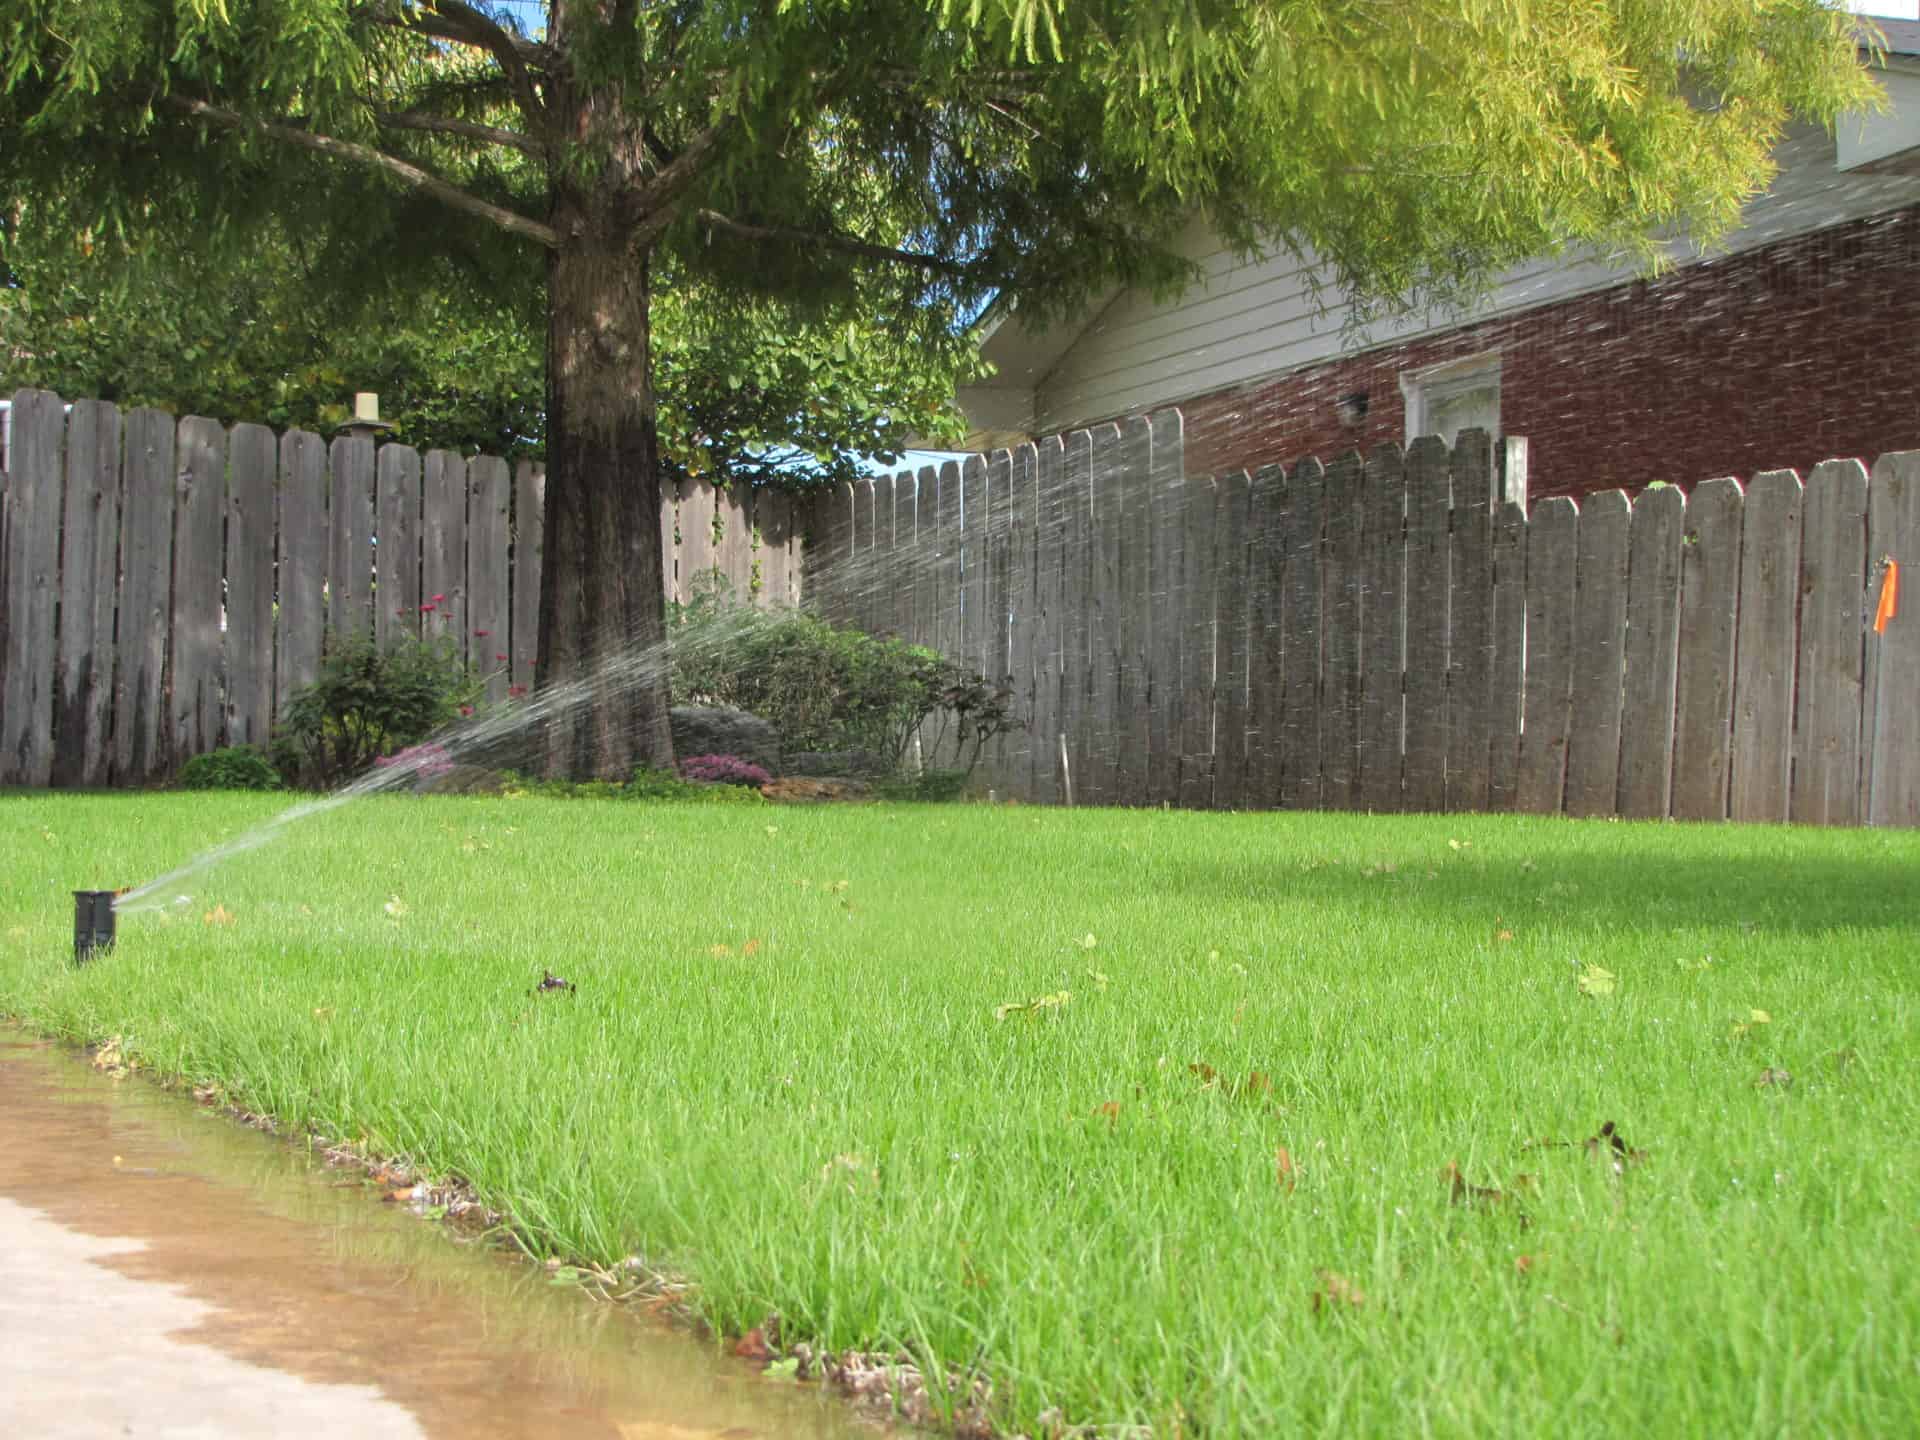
(1797, 340)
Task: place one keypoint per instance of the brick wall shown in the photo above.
(1783, 356)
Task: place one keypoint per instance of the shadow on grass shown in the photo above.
(1634, 878)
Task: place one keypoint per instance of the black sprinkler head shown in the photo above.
(92, 923)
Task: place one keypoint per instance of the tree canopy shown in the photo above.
(886, 163)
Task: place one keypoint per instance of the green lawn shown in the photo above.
(783, 1077)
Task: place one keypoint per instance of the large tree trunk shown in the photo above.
(602, 601)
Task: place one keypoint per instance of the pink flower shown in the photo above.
(438, 598)
(514, 692)
(481, 634)
(466, 712)
(501, 656)
(426, 609)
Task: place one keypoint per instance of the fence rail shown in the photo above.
(1374, 634)
(165, 585)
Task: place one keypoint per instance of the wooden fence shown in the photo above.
(166, 585)
(1371, 634)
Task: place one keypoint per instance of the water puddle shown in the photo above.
(164, 1272)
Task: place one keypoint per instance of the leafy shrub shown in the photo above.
(237, 767)
(828, 689)
(723, 770)
(369, 702)
(654, 785)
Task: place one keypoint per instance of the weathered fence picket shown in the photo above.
(1428, 581)
(1469, 627)
(91, 530)
(1709, 595)
(253, 460)
(1892, 739)
(1826, 764)
(1599, 637)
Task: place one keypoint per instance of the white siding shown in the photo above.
(1246, 321)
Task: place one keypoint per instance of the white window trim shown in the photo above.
(1420, 388)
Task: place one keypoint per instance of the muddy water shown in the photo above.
(165, 1272)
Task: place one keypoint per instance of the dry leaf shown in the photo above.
(1110, 1109)
(1502, 935)
(753, 1346)
(1524, 1264)
(719, 952)
(1335, 1290)
(1776, 1078)
(219, 915)
(1283, 1171)
(1463, 1193)
(1610, 1144)
(752, 947)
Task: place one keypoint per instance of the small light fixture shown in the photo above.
(366, 416)
(1351, 409)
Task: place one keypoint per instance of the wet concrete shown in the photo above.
(166, 1272)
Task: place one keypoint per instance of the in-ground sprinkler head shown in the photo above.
(92, 923)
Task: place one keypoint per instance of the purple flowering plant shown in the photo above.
(722, 770)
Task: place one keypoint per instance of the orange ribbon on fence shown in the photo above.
(1889, 598)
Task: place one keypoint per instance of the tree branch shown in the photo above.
(452, 195)
(845, 244)
(463, 25)
(654, 205)
(466, 129)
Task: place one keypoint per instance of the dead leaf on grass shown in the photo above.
(1462, 1192)
(1609, 1144)
(1524, 1265)
(719, 952)
(752, 947)
(219, 915)
(1111, 1110)
(1284, 1173)
(753, 1346)
(1773, 1078)
(1334, 1290)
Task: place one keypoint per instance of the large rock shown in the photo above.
(718, 730)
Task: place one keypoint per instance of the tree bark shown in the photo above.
(602, 598)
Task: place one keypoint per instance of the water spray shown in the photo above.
(92, 923)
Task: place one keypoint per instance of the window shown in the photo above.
(1445, 399)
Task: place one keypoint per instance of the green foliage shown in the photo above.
(646, 785)
(892, 152)
(370, 701)
(824, 688)
(927, 787)
(237, 767)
